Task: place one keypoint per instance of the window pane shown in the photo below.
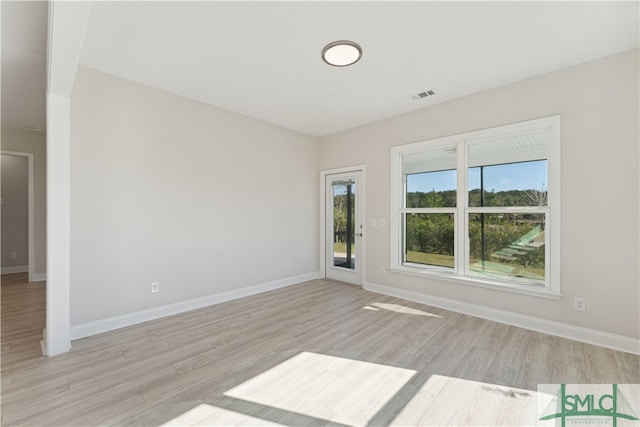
(513, 184)
(507, 246)
(431, 189)
(430, 178)
(510, 171)
(429, 239)
(344, 207)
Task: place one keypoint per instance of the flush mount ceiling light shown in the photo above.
(341, 53)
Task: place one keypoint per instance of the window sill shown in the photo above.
(517, 288)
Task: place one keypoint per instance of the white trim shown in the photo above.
(105, 325)
(56, 339)
(448, 275)
(356, 274)
(39, 277)
(552, 245)
(67, 25)
(564, 330)
(15, 269)
(553, 242)
(31, 256)
(397, 197)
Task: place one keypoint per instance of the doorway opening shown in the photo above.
(18, 248)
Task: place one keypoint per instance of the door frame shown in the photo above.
(31, 254)
(362, 169)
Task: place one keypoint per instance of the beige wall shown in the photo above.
(167, 189)
(15, 210)
(598, 103)
(206, 201)
(35, 143)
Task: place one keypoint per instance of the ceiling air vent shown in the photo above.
(424, 94)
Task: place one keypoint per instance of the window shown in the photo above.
(481, 207)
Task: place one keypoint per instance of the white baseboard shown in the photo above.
(105, 325)
(39, 277)
(564, 330)
(14, 269)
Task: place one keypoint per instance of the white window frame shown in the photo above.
(460, 273)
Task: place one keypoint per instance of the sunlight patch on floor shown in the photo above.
(330, 388)
(448, 401)
(352, 392)
(398, 309)
(208, 415)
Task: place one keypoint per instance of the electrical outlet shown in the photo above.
(383, 270)
(13, 255)
(287, 264)
(155, 287)
(579, 304)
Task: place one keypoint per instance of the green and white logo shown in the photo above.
(590, 404)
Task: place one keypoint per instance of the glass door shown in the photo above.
(343, 228)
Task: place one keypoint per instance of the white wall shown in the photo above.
(34, 142)
(15, 210)
(598, 102)
(167, 189)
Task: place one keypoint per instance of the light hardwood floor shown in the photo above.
(318, 353)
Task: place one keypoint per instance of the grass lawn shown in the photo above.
(341, 247)
(504, 268)
(431, 259)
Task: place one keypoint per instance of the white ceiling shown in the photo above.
(262, 59)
